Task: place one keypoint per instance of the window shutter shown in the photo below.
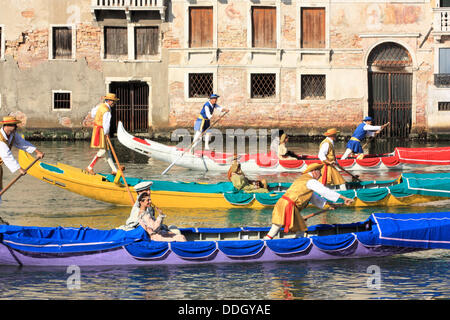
(313, 28)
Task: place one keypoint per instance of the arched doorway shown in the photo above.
(390, 88)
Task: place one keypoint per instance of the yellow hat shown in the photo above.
(10, 120)
(283, 138)
(110, 96)
(313, 166)
(331, 132)
(235, 166)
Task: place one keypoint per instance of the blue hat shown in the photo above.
(213, 96)
(368, 119)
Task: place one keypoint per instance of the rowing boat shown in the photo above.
(382, 234)
(401, 159)
(407, 189)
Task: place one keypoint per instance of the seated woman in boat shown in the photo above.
(241, 182)
(303, 190)
(283, 152)
(152, 225)
(133, 221)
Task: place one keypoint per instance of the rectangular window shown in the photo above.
(444, 3)
(444, 60)
(200, 27)
(313, 28)
(200, 85)
(264, 27)
(263, 85)
(62, 42)
(116, 42)
(62, 100)
(146, 41)
(313, 87)
(444, 106)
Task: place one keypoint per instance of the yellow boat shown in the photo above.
(408, 189)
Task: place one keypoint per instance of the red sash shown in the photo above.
(325, 174)
(97, 135)
(288, 213)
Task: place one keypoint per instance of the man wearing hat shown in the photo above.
(203, 121)
(102, 123)
(9, 138)
(241, 182)
(330, 175)
(363, 130)
(303, 190)
(283, 152)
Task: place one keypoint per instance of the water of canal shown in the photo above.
(30, 202)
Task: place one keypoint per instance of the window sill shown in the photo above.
(66, 60)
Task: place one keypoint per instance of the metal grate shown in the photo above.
(263, 85)
(200, 85)
(444, 106)
(442, 80)
(313, 86)
(61, 100)
(389, 54)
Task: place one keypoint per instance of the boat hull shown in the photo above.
(121, 257)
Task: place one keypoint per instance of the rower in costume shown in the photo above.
(9, 138)
(330, 175)
(204, 119)
(363, 130)
(102, 122)
(303, 190)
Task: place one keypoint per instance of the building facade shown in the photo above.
(303, 66)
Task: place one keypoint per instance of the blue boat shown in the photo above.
(382, 234)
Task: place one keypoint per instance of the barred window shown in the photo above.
(62, 42)
(263, 85)
(444, 106)
(313, 86)
(62, 100)
(200, 85)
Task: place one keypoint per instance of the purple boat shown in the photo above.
(382, 234)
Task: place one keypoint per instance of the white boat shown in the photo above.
(400, 159)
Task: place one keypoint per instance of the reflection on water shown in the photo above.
(30, 202)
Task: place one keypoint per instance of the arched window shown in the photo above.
(389, 54)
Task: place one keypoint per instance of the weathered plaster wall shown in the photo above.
(27, 76)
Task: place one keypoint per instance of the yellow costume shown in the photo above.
(287, 209)
(240, 181)
(98, 135)
(330, 175)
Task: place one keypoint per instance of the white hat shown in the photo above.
(144, 185)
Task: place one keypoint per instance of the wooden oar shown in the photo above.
(18, 177)
(192, 144)
(120, 169)
(321, 211)
(354, 177)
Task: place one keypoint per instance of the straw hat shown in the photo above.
(283, 138)
(313, 166)
(10, 120)
(110, 96)
(331, 132)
